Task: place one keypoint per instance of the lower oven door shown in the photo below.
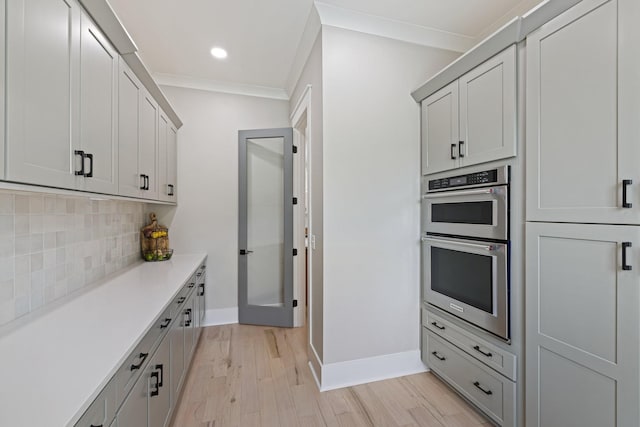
(468, 279)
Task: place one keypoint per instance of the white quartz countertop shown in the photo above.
(55, 364)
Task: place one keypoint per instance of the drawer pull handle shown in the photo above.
(199, 274)
(81, 171)
(442, 328)
(485, 391)
(92, 425)
(181, 300)
(477, 348)
(156, 385)
(143, 357)
(626, 183)
(165, 323)
(201, 292)
(625, 246)
(453, 151)
(191, 285)
(160, 367)
(187, 322)
(437, 356)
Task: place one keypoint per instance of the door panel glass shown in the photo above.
(265, 221)
(464, 276)
(463, 213)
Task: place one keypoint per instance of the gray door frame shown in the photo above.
(256, 314)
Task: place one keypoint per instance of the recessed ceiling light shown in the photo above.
(219, 53)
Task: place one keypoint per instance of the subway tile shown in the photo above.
(37, 261)
(37, 242)
(49, 204)
(6, 290)
(7, 271)
(61, 255)
(7, 245)
(22, 285)
(7, 311)
(21, 224)
(21, 206)
(36, 224)
(6, 225)
(22, 265)
(49, 258)
(6, 204)
(22, 305)
(50, 240)
(36, 204)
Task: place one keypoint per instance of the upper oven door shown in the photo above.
(481, 212)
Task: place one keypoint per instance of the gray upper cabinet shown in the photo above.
(148, 145)
(440, 130)
(167, 138)
(129, 89)
(582, 326)
(98, 101)
(42, 91)
(473, 119)
(582, 104)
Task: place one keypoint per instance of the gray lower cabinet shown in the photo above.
(146, 387)
(582, 325)
(492, 393)
(160, 386)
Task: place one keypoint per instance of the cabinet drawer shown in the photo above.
(135, 363)
(179, 300)
(103, 409)
(492, 393)
(489, 354)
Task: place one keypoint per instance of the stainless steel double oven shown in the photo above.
(465, 247)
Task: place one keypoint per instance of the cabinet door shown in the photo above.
(163, 127)
(172, 163)
(98, 94)
(148, 162)
(43, 47)
(583, 99)
(160, 385)
(177, 355)
(488, 110)
(440, 130)
(133, 412)
(582, 325)
(189, 330)
(129, 182)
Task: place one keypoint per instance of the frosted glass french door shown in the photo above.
(265, 233)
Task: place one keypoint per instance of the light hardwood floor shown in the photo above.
(259, 376)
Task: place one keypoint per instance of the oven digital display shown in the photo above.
(459, 180)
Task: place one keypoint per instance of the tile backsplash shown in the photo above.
(52, 245)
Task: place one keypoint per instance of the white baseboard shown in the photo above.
(221, 316)
(361, 371)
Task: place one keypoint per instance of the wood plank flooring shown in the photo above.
(259, 376)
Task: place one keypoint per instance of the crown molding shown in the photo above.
(305, 46)
(351, 20)
(220, 87)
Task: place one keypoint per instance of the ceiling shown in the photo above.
(262, 36)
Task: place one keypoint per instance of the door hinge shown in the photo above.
(295, 252)
(295, 149)
(295, 200)
(295, 302)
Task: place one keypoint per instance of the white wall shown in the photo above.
(206, 219)
(371, 149)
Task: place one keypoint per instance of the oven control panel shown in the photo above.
(471, 179)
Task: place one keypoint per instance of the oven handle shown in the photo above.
(488, 248)
(462, 193)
